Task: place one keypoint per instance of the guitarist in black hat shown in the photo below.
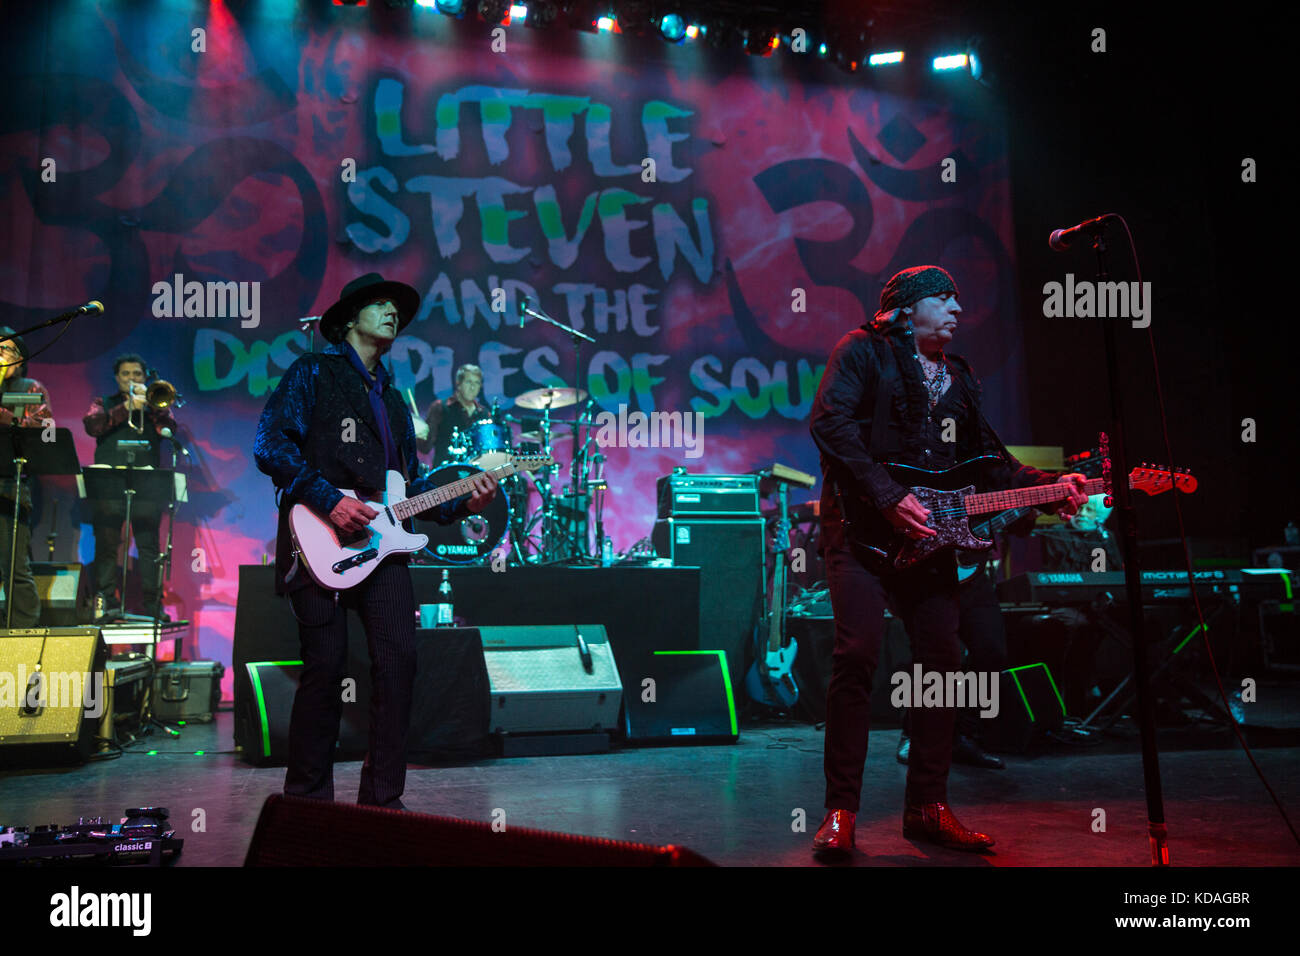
(886, 391)
(336, 421)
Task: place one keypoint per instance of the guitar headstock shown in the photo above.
(530, 462)
(1156, 479)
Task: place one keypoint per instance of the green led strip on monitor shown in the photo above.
(256, 678)
(726, 682)
(1025, 700)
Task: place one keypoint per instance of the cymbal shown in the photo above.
(550, 398)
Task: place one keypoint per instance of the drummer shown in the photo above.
(460, 411)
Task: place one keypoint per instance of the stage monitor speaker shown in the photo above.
(449, 709)
(292, 831)
(1029, 706)
(692, 701)
(52, 718)
(730, 555)
(264, 739)
(541, 681)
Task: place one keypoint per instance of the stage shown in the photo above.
(736, 804)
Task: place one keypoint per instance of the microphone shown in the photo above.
(93, 307)
(1062, 239)
(167, 433)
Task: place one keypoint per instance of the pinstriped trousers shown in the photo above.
(385, 603)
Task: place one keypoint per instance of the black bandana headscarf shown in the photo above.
(909, 287)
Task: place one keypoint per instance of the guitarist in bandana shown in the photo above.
(886, 391)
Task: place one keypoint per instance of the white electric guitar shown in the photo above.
(338, 560)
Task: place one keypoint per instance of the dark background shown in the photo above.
(1155, 130)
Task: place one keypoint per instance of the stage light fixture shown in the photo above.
(884, 59)
(542, 13)
(693, 31)
(673, 28)
(494, 11)
(605, 24)
(518, 11)
(760, 42)
(954, 61)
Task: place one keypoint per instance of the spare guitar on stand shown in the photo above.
(770, 682)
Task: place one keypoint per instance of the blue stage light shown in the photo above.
(673, 27)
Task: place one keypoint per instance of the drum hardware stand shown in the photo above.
(579, 415)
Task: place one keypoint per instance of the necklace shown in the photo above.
(936, 377)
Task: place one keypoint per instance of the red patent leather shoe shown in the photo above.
(836, 831)
(935, 823)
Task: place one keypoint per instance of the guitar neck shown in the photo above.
(990, 501)
(409, 507)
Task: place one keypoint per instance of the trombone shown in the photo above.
(159, 394)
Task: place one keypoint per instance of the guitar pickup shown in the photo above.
(338, 567)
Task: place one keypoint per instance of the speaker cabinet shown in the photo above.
(54, 716)
(730, 555)
(692, 701)
(1029, 706)
(292, 831)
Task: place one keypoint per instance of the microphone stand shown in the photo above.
(1156, 828)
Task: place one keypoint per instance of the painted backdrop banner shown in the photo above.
(714, 231)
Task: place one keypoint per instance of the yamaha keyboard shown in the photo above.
(1083, 587)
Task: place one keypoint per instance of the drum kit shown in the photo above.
(545, 525)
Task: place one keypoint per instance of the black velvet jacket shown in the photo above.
(302, 444)
(842, 415)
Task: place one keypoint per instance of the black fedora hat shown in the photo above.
(365, 289)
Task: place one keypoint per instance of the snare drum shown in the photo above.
(489, 443)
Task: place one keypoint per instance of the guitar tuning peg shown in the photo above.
(1108, 502)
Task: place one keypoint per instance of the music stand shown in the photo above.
(104, 484)
(23, 451)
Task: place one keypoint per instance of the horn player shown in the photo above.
(126, 415)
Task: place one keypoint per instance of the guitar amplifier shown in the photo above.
(730, 555)
(683, 494)
(53, 719)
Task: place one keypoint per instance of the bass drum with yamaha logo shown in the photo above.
(470, 540)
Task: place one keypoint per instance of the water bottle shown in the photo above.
(607, 553)
(444, 601)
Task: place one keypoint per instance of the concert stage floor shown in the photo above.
(735, 804)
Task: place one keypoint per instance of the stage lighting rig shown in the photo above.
(634, 16)
(672, 27)
(760, 41)
(494, 11)
(541, 13)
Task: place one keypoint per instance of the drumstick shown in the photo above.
(411, 398)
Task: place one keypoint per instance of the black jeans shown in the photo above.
(925, 599)
(385, 602)
(109, 518)
(984, 635)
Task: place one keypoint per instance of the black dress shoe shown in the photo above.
(904, 748)
(968, 751)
